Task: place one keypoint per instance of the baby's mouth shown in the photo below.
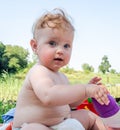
(58, 59)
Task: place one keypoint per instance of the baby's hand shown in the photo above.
(99, 92)
(95, 80)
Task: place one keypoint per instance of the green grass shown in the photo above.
(9, 88)
(5, 106)
(11, 84)
(111, 81)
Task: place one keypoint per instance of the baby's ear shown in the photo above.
(33, 44)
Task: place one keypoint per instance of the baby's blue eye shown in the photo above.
(52, 43)
(66, 46)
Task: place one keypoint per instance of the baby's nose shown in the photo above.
(60, 50)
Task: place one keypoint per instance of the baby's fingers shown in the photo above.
(103, 100)
(101, 97)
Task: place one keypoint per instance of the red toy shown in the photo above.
(87, 104)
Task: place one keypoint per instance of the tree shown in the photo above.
(2, 58)
(87, 68)
(13, 58)
(105, 65)
(2, 49)
(113, 71)
(17, 57)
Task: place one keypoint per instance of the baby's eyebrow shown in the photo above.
(53, 37)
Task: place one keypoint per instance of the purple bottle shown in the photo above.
(109, 113)
(106, 110)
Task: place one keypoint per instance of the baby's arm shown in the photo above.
(50, 91)
(51, 94)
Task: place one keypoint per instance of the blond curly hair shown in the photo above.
(53, 19)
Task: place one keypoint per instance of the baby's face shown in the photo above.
(54, 47)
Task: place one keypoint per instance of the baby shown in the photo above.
(46, 97)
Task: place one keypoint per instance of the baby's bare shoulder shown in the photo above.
(37, 71)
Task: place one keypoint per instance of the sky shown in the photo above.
(96, 22)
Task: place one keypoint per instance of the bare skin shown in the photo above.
(44, 113)
(46, 97)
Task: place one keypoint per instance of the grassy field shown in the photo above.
(10, 86)
(111, 81)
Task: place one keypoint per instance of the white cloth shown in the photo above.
(4, 126)
(68, 124)
(113, 121)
